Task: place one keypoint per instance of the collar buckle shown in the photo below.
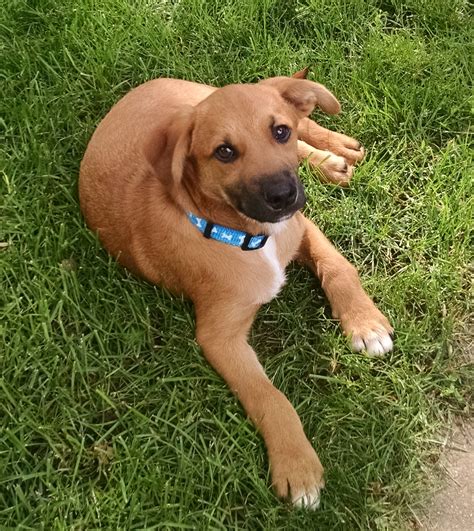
(207, 233)
(248, 238)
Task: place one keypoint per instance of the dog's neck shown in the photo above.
(191, 199)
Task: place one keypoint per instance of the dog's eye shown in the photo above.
(225, 153)
(281, 133)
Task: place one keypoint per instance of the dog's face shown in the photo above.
(241, 146)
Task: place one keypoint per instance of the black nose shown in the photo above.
(280, 194)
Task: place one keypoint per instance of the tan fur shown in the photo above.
(332, 168)
(150, 161)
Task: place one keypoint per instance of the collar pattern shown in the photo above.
(236, 238)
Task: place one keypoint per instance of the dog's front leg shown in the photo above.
(296, 471)
(360, 319)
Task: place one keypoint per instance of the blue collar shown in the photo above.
(237, 238)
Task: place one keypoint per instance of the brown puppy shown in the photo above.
(172, 154)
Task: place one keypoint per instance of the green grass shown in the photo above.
(109, 415)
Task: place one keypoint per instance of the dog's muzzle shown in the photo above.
(269, 198)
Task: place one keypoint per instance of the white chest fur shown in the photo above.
(276, 277)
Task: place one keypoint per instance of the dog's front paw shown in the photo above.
(297, 475)
(368, 331)
(347, 147)
(334, 168)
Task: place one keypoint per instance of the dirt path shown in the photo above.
(452, 507)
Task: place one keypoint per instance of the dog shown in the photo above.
(195, 188)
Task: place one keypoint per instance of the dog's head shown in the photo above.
(239, 145)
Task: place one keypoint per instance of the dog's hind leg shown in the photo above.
(221, 331)
(367, 328)
(321, 138)
(332, 168)
(314, 141)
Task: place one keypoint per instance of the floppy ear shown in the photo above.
(180, 133)
(304, 95)
(168, 145)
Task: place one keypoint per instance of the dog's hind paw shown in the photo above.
(345, 146)
(333, 167)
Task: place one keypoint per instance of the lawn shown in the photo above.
(109, 415)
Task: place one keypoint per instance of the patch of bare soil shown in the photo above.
(452, 507)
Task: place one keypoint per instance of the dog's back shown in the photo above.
(118, 170)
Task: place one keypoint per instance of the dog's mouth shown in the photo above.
(269, 199)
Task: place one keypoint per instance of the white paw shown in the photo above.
(375, 342)
(297, 474)
(307, 500)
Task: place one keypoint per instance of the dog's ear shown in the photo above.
(168, 145)
(304, 95)
(301, 74)
(180, 134)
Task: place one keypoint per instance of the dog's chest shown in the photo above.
(273, 276)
